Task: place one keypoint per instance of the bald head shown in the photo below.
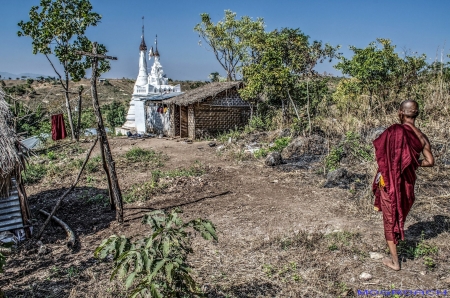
(409, 108)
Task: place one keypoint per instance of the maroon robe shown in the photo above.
(397, 151)
(58, 127)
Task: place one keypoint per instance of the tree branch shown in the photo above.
(53, 66)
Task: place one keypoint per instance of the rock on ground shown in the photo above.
(375, 255)
(273, 159)
(365, 276)
(313, 145)
(338, 178)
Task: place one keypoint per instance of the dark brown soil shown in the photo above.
(281, 234)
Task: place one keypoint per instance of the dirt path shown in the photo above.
(280, 234)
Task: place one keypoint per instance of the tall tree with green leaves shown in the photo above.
(57, 28)
(280, 62)
(380, 71)
(228, 39)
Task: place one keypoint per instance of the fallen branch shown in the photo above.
(70, 233)
(58, 203)
(145, 209)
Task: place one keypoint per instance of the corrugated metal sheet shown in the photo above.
(10, 213)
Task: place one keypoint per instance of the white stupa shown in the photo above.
(153, 87)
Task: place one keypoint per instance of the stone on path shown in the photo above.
(273, 159)
(375, 255)
(365, 276)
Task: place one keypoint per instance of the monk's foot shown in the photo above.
(389, 263)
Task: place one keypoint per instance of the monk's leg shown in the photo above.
(393, 261)
(389, 231)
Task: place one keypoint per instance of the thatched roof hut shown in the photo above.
(208, 110)
(14, 211)
(202, 93)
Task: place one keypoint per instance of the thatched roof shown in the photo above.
(201, 93)
(10, 157)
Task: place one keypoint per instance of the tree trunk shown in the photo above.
(111, 169)
(69, 110)
(105, 168)
(79, 116)
(307, 106)
(283, 111)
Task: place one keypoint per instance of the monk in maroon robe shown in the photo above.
(397, 151)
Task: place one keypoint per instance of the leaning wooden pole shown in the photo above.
(111, 168)
(58, 203)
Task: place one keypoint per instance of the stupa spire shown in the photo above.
(156, 53)
(143, 46)
(142, 78)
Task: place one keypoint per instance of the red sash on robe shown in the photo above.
(397, 151)
(58, 127)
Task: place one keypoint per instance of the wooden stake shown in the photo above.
(110, 170)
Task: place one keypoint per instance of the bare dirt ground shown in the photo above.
(281, 234)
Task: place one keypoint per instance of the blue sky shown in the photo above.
(417, 26)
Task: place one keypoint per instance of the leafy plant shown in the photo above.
(51, 155)
(33, 173)
(353, 146)
(277, 146)
(115, 114)
(420, 249)
(333, 158)
(137, 154)
(156, 264)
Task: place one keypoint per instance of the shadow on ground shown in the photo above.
(429, 229)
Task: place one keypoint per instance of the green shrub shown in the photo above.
(51, 155)
(333, 158)
(156, 264)
(34, 173)
(93, 165)
(137, 154)
(278, 146)
(351, 146)
(414, 250)
(115, 113)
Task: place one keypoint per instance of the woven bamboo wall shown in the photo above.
(210, 120)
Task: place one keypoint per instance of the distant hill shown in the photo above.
(13, 76)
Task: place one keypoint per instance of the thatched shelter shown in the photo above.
(208, 110)
(14, 211)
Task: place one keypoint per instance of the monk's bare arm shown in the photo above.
(428, 158)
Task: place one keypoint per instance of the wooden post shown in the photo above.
(110, 170)
(79, 115)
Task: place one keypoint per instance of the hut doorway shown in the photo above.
(184, 132)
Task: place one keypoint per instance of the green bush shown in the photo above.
(137, 154)
(115, 114)
(352, 146)
(333, 158)
(278, 146)
(156, 264)
(33, 173)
